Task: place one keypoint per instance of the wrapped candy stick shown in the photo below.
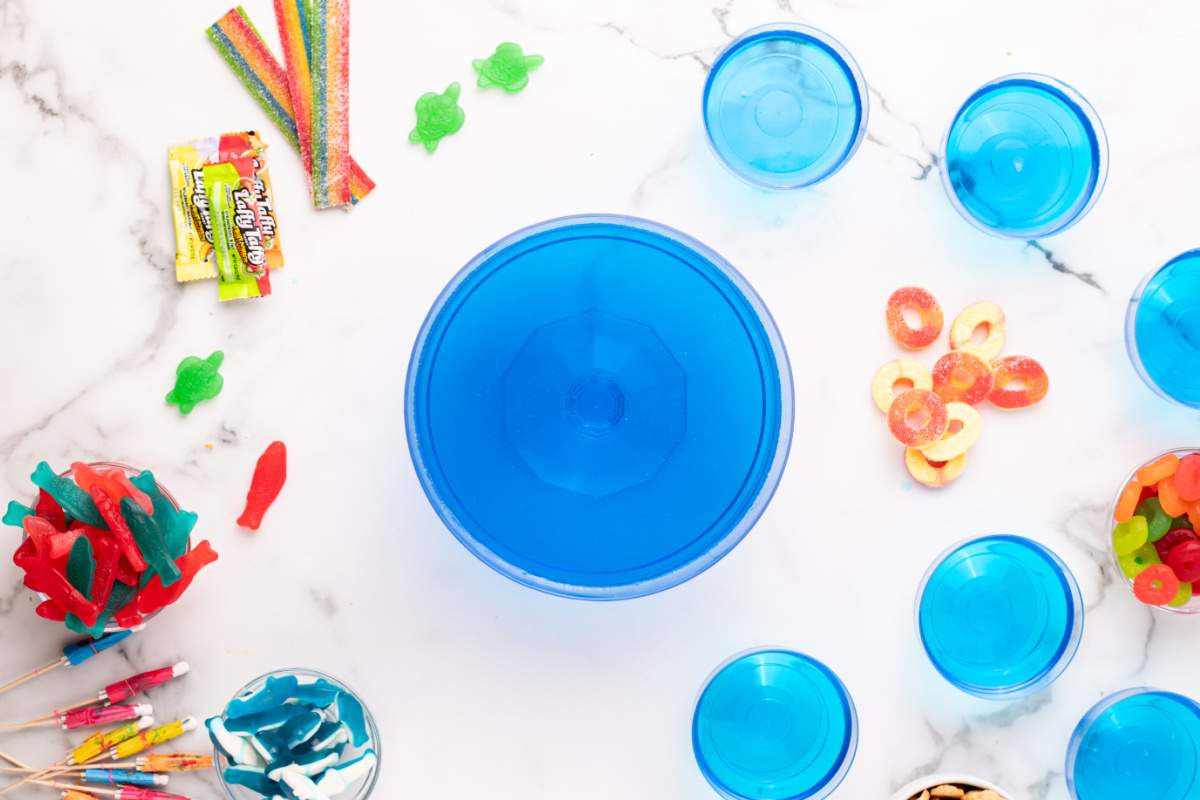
(240, 45)
(147, 739)
(173, 762)
(329, 31)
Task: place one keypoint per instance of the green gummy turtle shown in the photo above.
(507, 68)
(438, 115)
(196, 380)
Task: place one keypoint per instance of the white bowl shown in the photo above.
(930, 781)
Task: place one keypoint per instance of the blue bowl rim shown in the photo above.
(1067, 650)
(849, 746)
(1075, 100)
(1135, 301)
(703, 561)
(830, 45)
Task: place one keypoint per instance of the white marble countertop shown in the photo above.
(482, 687)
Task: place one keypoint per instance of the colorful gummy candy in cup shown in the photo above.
(296, 733)
(1026, 156)
(1000, 617)
(605, 376)
(1139, 743)
(774, 725)
(785, 106)
(1162, 329)
(1152, 538)
(106, 546)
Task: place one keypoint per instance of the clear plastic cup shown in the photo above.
(1000, 617)
(914, 788)
(785, 106)
(1162, 329)
(599, 407)
(773, 724)
(113, 627)
(1128, 566)
(360, 790)
(1025, 156)
(1139, 743)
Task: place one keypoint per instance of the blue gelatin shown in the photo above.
(774, 725)
(1162, 329)
(1000, 616)
(1025, 156)
(785, 106)
(1137, 743)
(599, 407)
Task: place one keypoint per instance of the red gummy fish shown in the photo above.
(269, 475)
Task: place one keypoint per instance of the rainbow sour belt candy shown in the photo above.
(239, 43)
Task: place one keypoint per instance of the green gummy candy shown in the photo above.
(75, 501)
(150, 541)
(1133, 564)
(507, 68)
(196, 380)
(81, 571)
(1181, 522)
(121, 596)
(1158, 521)
(15, 514)
(1129, 536)
(1183, 596)
(176, 525)
(438, 116)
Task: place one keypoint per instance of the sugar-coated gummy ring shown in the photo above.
(962, 376)
(926, 307)
(970, 318)
(934, 474)
(883, 384)
(1156, 585)
(1022, 368)
(914, 402)
(953, 445)
(1187, 478)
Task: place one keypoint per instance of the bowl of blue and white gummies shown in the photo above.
(296, 733)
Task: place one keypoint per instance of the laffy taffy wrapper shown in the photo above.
(190, 209)
(238, 244)
(247, 144)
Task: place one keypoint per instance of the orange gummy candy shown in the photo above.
(1127, 502)
(1169, 499)
(926, 307)
(962, 376)
(1158, 469)
(917, 402)
(1018, 368)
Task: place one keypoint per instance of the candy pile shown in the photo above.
(290, 737)
(309, 100)
(959, 791)
(932, 412)
(103, 548)
(224, 213)
(1154, 533)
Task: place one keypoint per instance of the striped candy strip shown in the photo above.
(329, 33)
(239, 43)
(291, 17)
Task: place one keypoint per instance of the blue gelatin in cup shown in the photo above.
(1025, 156)
(785, 106)
(1162, 329)
(999, 616)
(1137, 743)
(599, 407)
(774, 725)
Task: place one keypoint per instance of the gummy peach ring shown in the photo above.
(933, 474)
(1018, 368)
(963, 329)
(922, 407)
(963, 376)
(959, 438)
(897, 374)
(925, 306)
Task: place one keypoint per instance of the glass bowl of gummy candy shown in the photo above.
(105, 547)
(1153, 531)
(296, 733)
